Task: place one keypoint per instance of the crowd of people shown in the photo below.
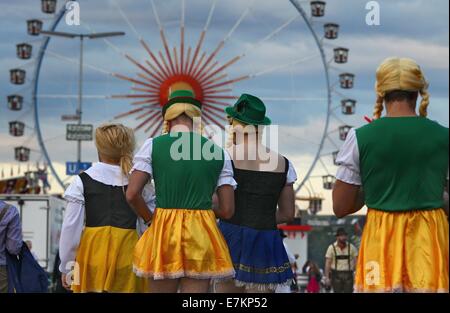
(185, 215)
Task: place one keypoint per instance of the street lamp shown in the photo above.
(80, 79)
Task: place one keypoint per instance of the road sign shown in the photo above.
(75, 132)
(75, 168)
(70, 117)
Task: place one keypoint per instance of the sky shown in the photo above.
(286, 69)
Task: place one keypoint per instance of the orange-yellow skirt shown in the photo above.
(183, 243)
(104, 260)
(404, 252)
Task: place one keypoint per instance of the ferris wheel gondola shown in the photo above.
(208, 68)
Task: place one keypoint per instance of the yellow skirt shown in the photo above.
(104, 260)
(183, 243)
(404, 252)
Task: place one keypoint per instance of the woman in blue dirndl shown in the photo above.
(265, 182)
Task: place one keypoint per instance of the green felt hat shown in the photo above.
(181, 96)
(249, 110)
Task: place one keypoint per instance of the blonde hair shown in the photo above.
(178, 109)
(117, 142)
(238, 125)
(400, 74)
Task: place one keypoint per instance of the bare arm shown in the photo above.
(136, 185)
(347, 199)
(224, 205)
(286, 205)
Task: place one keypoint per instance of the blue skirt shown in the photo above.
(259, 257)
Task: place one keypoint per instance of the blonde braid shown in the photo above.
(400, 74)
(424, 103)
(378, 107)
(230, 134)
(165, 128)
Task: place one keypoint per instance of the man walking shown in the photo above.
(340, 263)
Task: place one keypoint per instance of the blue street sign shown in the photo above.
(75, 168)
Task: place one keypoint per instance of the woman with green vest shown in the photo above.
(183, 248)
(397, 165)
(264, 198)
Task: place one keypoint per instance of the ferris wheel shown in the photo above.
(219, 49)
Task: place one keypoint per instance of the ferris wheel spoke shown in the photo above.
(209, 105)
(155, 59)
(144, 90)
(218, 91)
(274, 33)
(182, 33)
(93, 67)
(221, 97)
(148, 120)
(332, 142)
(206, 78)
(177, 65)
(131, 112)
(287, 65)
(288, 133)
(292, 99)
(158, 73)
(340, 94)
(202, 36)
(147, 113)
(208, 70)
(197, 66)
(106, 41)
(215, 80)
(154, 86)
(56, 96)
(138, 82)
(163, 36)
(149, 102)
(202, 78)
(133, 96)
(222, 43)
(156, 128)
(124, 16)
(163, 60)
(334, 115)
(146, 70)
(188, 58)
(212, 113)
(228, 82)
(212, 120)
(324, 166)
(210, 101)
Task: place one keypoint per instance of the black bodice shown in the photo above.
(256, 197)
(106, 205)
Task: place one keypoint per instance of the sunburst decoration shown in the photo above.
(176, 69)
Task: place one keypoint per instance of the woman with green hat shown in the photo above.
(183, 248)
(265, 181)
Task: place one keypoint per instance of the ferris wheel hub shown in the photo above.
(179, 82)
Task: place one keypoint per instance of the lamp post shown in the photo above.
(79, 111)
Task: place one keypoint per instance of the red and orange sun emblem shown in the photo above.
(163, 73)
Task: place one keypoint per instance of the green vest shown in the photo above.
(186, 169)
(403, 163)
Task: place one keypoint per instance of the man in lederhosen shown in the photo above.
(340, 264)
